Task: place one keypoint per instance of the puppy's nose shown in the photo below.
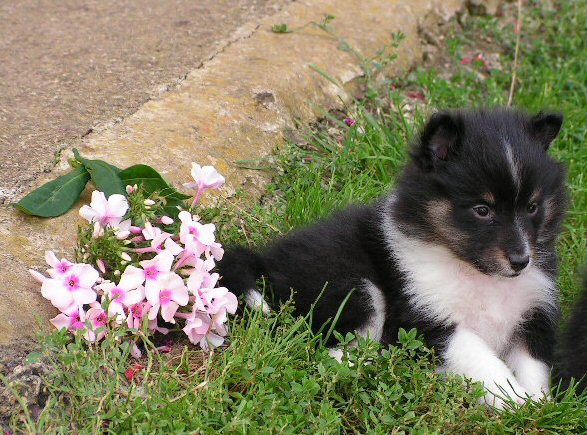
(519, 262)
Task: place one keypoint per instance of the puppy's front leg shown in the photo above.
(531, 373)
(469, 355)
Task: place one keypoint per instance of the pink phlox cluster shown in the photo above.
(169, 278)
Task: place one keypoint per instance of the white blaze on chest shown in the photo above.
(451, 291)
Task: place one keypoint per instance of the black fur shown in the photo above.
(571, 361)
(456, 162)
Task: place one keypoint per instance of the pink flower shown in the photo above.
(58, 267)
(169, 298)
(136, 314)
(152, 273)
(107, 212)
(204, 234)
(197, 329)
(217, 251)
(199, 279)
(121, 296)
(192, 251)
(350, 122)
(99, 320)
(204, 178)
(220, 300)
(73, 287)
(151, 233)
(72, 321)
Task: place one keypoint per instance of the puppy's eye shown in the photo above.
(481, 210)
(532, 208)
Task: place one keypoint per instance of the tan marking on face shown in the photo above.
(440, 212)
(489, 198)
(534, 197)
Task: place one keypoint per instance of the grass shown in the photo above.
(275, 376)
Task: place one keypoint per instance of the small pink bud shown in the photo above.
(166, 220)
(101, 265)
(39, 277)
(136, 230)
(130, 189)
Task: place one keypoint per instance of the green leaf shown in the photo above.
(55, 197)
(280, 28)
(105, 176)
(152, 182)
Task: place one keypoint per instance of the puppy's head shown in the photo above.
(483, 184)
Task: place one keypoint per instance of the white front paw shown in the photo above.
(501, 394)
(538, 394)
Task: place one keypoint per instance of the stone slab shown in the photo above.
(238, 105)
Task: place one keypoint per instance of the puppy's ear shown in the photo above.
(544, 127)
(439, 141)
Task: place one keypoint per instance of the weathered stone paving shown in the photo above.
(239, 104)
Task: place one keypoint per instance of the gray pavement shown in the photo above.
(68, 66)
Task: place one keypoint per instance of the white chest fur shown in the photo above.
(446, 289)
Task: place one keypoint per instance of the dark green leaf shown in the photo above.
(151, 181)
(55, 197)
(104, 175)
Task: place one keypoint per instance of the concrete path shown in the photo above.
(239, 104)
(68, 66)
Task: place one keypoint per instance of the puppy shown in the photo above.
(463, 250)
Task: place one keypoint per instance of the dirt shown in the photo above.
(68, 67)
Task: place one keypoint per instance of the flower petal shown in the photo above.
(84, 295)
(99, 203)
(88, 213)
(134, 296)
(61, 321)
(51, 259)
(168, 310)
(39, 277)
(87, 274)
(131, 278)
(117, 205)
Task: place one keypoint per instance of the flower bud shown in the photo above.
(101, 265)
(166, 220)
(149, 202)
(125, 256)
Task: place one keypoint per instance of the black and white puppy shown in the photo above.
(463, 250)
